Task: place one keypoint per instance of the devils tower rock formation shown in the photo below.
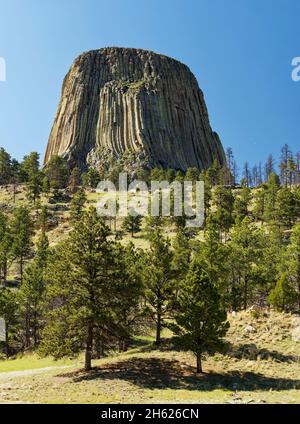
(120, 101)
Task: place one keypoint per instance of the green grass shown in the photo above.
(260, 367)
(31, 361)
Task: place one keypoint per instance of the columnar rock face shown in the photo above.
(122, 101)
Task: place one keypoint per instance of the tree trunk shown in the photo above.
(123, 345)
(35, 331)
(199, 363)
(27, 328)
(6, 341)
(158, 327)
(298, 278)
(99, 346)
(246, 293)
(21, 269)
(5, 272)
(14, 192)
(89, 348)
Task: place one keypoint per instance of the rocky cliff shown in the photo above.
(118, 101)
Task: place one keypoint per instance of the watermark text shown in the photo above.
(296, 69)
(160, 199)
(2, 70)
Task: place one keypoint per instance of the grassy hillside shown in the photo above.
(262, 365)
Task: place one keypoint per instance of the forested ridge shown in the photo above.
(105, 281)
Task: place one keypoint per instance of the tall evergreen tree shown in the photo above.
(241, 204)
(181, 254)
(34, 186)
(82, 288)
(22, 232)
(130, 311)
(9, 311)
(77, 205)
(285, 207)
(223, 201)
(57, 172)
(74, 179)
(29, 166)
(33, 290)
(247, 177)
(272, 187)
(132, 224)
(200, 320)
(283, 295)
(284, 164)
(159, 280)
(5, 166)
(269, 167)
(245, 248)
(5, 246)
(291, 263)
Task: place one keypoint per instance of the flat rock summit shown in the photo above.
(124, 101)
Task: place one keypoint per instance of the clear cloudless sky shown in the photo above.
(239, 50)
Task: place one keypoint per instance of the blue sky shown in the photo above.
(239, 50)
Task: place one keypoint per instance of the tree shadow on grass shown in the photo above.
(153, 373)
(252, 352)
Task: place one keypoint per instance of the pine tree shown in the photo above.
(5, 246)
(230, 167)
(269, 264)
(57, 172)
(181, 254)
(255, 176)
(272, 187)
(34, 186)
(292, 260)
(132, 224)
(82, 289)
(192, 174)
(283, 295)
(129, 312)
(285, 207)
(46, 185)
(284, 162)
(247, 177)
(159, 280)
(74, 179)
(292, 168)
(269, 167)
(223, 215)
(179, 176)
(212, 175)
(157, 174)
(5, 167)
(22, 231)
(9, 310)
(245, 248)
(259, 204)
(91, 178)
(213, 255)
(170, 175)
(15, 176)
(77, 205)
(207, 199)
(29, 166)
(241, 204)
(32, 292)
(200, 320)
(43, 219)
